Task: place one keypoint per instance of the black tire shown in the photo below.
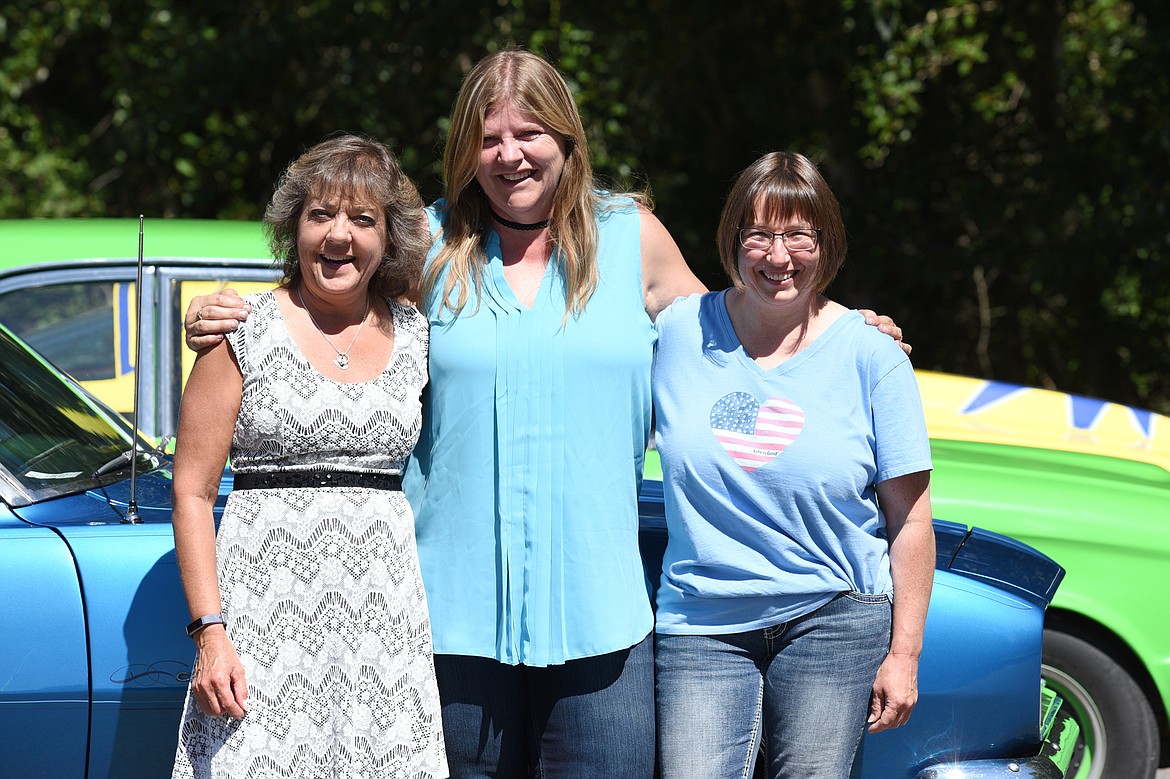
(1117, 724)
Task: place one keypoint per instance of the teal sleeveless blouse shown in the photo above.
(525, 479)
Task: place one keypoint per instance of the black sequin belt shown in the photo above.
(303, 479)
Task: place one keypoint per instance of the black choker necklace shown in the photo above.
(519, 225)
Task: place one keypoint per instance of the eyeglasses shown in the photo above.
(758, 239)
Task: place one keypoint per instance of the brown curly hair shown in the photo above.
(364, 171)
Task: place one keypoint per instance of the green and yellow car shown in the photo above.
(1088, 483)
(68, 288)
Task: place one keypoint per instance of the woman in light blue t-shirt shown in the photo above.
(796, 475)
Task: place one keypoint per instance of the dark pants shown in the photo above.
(588, 718)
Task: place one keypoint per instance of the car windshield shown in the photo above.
(54, 438)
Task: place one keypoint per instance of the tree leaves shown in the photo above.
(1003, 166)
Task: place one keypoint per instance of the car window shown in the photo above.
(88, 328)
(78, 327)
(85, 328)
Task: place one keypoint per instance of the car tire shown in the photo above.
(1117, 724)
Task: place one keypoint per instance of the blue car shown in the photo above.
(94, 661)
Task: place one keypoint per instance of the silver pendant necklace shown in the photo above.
(342, 358)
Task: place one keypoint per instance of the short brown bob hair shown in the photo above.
(777, 187)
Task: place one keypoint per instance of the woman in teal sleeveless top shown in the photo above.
(541, 293)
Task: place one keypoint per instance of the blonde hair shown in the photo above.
(780, 186)
(534, 87)
(362, 171)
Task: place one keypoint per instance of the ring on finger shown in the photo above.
(199, 315)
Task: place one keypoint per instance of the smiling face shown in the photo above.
(340, 244)
(520, 164)
(778, 192)
(778, 275)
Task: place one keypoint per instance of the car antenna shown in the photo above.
(133, 516)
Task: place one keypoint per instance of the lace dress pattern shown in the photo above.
(321, 586)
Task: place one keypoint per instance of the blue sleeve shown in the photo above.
(666, 315)
(901, 442)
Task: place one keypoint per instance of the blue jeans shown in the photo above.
(588, 718)
(803, 687)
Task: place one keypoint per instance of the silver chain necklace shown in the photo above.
(342, 358)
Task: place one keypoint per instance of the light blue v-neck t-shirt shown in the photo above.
(769, 475)
(524, 482)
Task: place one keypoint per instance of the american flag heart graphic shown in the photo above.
(753, 434)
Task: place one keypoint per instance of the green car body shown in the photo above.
(1084, 481)
(30, 242)
(1087, 483)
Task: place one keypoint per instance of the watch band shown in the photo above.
(204, 621)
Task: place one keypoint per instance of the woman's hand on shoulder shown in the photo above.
(210, 316)
(665, 274)
(885, 325)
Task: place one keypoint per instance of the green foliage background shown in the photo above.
(1004, 165)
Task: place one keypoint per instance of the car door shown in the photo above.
(177, 287)
(44, 675)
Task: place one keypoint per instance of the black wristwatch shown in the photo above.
(204, 621)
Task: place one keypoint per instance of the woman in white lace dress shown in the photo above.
(309, 617)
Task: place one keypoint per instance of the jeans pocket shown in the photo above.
(862, 597)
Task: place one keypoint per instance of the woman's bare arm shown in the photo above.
(210, 405)
(905, 502)
(665, 274)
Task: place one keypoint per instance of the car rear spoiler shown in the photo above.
(998, 560)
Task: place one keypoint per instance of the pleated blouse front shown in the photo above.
(525, 479)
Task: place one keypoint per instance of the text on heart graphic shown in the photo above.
(753, 434)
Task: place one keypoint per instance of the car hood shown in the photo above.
(106, 505)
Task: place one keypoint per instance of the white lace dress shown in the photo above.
(321, 586)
